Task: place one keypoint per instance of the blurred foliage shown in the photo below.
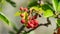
(46, 6)
(12, 3)
(0, 0)
(18, 13)
(55, 4)
(58, 22)
(14, 27)
(2, 3)
(58, 7)
(48, 13)
(11, 32)
(33, 3)
(4, 18)
(7, 21)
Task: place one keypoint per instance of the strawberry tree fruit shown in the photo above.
(23, 21)
(22, 15)
(30, 25)
(26, 9)
(35, 23)
(21, 8)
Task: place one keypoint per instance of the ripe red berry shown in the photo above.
(26, 9)
(21, 8)
(32, 21)
(35, 23)
(22, 15)
(30, 25)
(34, 17)
(23, 21)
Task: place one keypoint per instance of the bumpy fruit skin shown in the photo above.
(21, 8)
(32, 24)
(26, 9)
(23, 21)
(35, 23)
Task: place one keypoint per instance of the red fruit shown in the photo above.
(30, 25)
(34, 17)
(26, 9)
(21, 8)
(32, 21)
(23, 21)
(35, 23)
(22, 15)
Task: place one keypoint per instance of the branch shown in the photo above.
(34, 28)
(21, 28)
(46, 24)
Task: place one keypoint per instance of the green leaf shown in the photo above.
(58, 22)
(32, 3)
(48, 13)
(12, 3)
(50, 5)
(45, 7)
(14, 27)
(55, 4)
(58, 7)
(11, 32)
(4, 18)
(18, 13)
(0, 0)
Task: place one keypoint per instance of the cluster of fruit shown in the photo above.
(31, 20)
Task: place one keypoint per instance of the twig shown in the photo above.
(21, 29)
(40, 25)
(34, 28)
(46, 24)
